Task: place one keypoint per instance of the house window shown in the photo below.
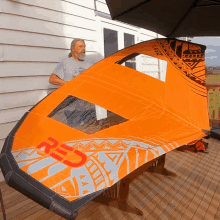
(128, 40)
(110, 42)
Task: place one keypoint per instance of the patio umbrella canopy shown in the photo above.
(171, 18)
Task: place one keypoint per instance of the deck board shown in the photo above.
(193, 194)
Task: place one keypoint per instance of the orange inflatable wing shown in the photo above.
(99, 127)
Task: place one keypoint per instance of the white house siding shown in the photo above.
(101, 6)
(34, 36)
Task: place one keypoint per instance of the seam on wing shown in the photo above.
(54, 204)
(8, 176)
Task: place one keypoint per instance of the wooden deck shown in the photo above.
(193, 194)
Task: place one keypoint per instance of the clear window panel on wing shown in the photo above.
(84, 116)
(148, 65)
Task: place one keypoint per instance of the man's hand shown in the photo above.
(55, 80)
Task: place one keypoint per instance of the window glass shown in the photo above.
(110, 42)
(148, 65)
(84, 116)
(129, 41)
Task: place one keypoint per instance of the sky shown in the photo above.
(212, 53)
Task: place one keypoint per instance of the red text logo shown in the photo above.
(63, 150)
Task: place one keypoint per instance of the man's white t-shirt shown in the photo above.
(70, 68)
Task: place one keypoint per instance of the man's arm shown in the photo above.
(54, 79)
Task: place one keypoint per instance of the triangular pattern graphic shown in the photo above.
(89, 153)
(113, 141)
(82, 176)
(183, 65)
(42, 149)
(121, 147)
(15, 154)
(63, 191)
(24, 163)
(98, 141)
(191, 64)
(107, 147)
(116, 159)
(84, 142)
(85, 183)
(85, 191)
(29, 151)
(93, 148)
(111, 156)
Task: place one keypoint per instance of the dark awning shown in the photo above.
(171, 18)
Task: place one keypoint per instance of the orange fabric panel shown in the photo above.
(177, 91)
(122, 171)
(141, 157)
(41, 173)
(29, 126)
(123, 104)
(60, 176)
(132, 159)
(135, 82)
(49, 103)
(199, 110)
(19, 144)
(49, 128)
(183, 98)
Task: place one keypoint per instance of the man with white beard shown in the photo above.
(72, 66)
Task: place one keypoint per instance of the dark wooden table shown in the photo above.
(117, 195)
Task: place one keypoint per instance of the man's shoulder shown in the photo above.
(67, 60)
(89, 62)
(86, 63)
(71, 61)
